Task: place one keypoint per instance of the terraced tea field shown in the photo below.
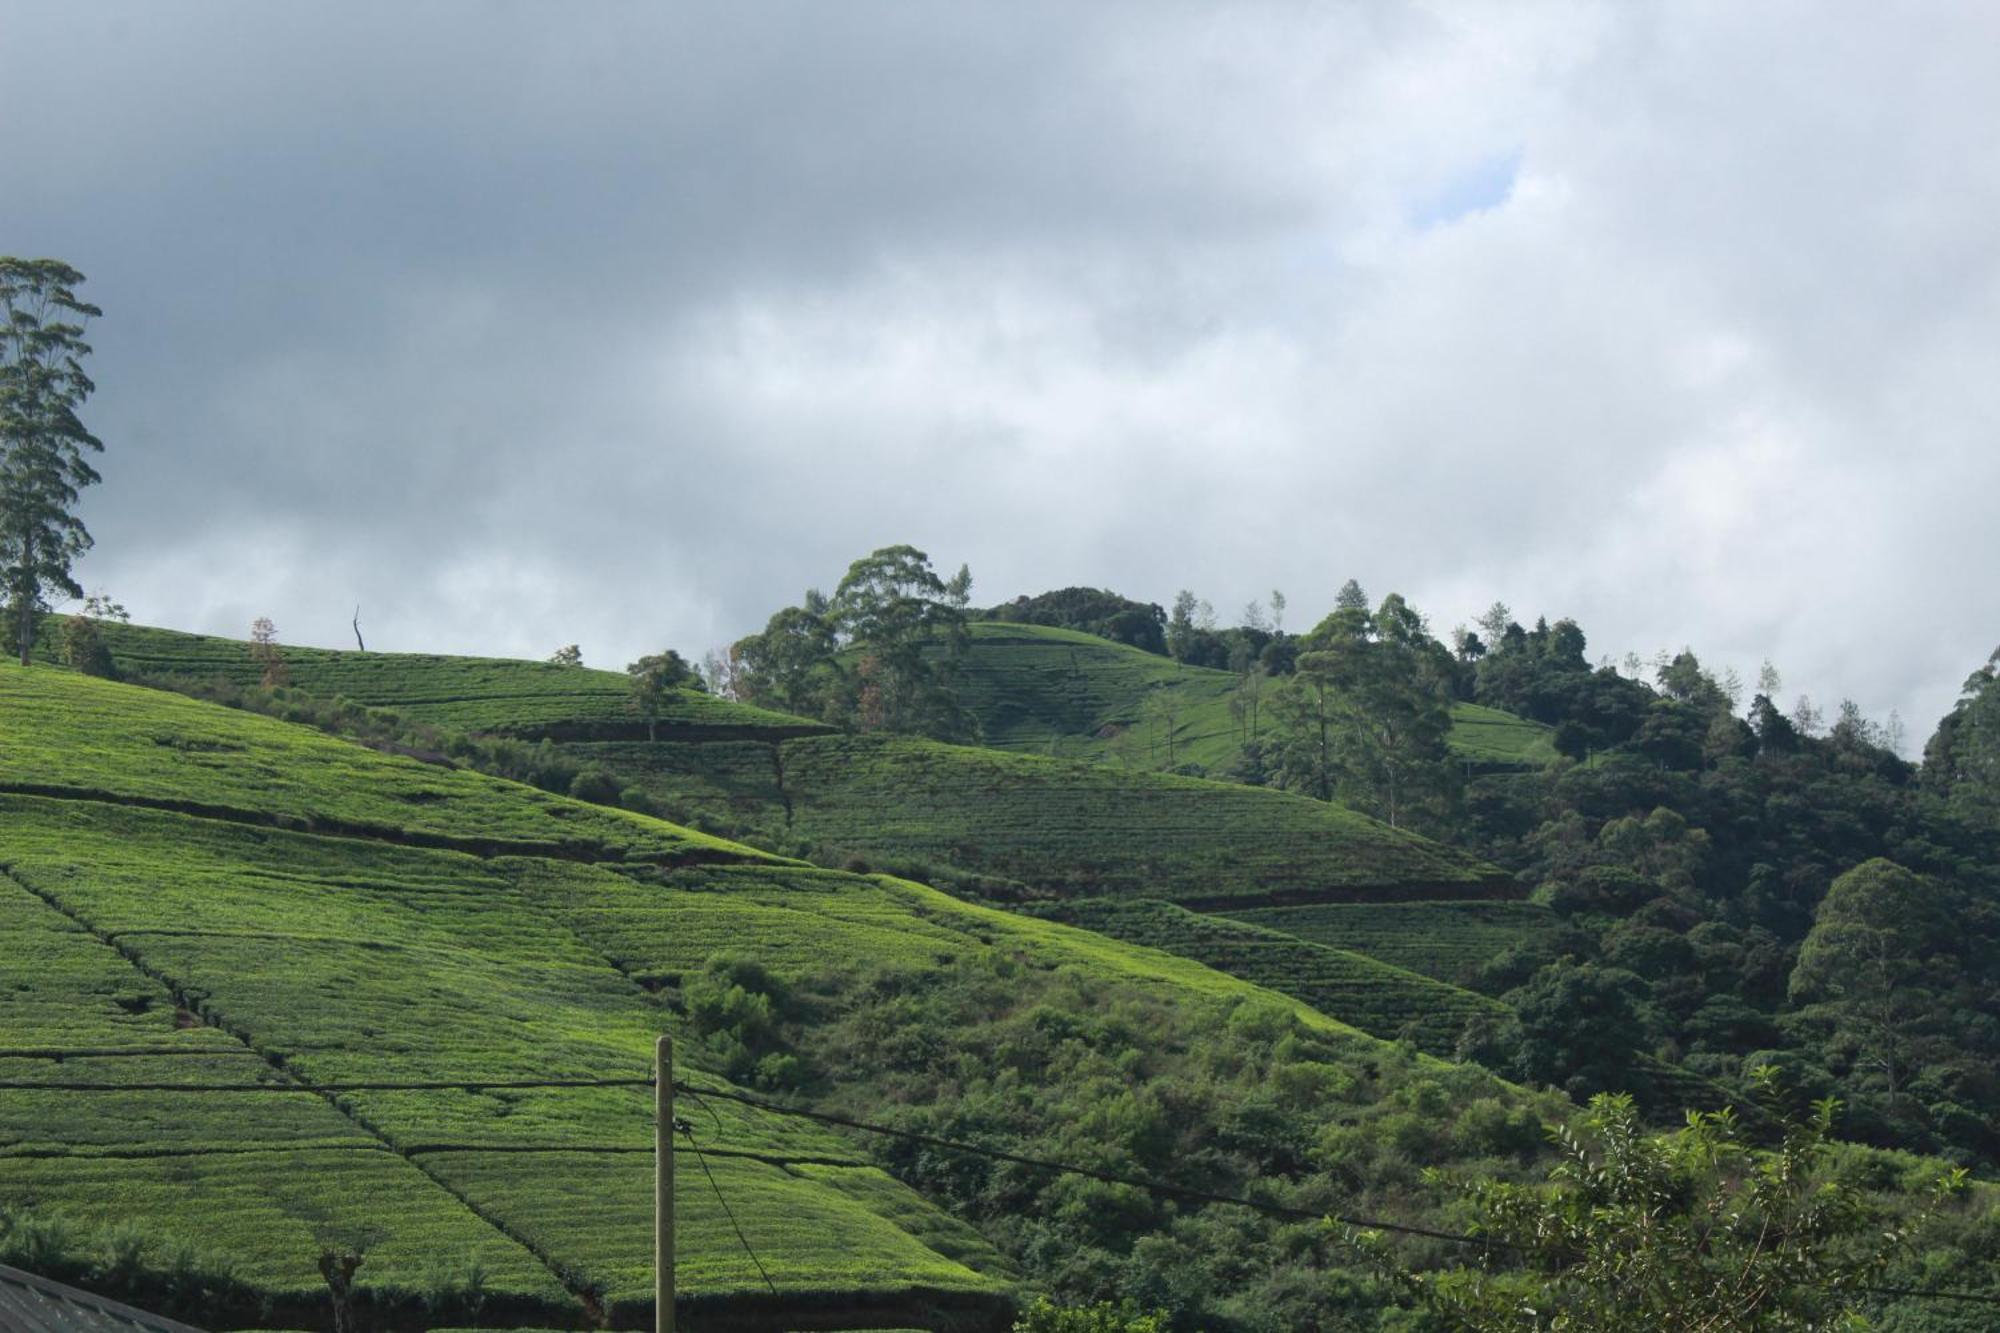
(221, 936)
(1038, 690)
(1445, 940)
(499, 696)
(1386, 1001)
(1079, 828)
(1490, 737)
(176, 985)
(97, 740)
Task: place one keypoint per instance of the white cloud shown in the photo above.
(1678, 319)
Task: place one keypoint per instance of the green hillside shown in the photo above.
(1065, 827)
(1042, 690)
(499, 696)
(210, 915)
(1061, 826)
(1387, 1001)
(1446, 940)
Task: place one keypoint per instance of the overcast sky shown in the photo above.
(623, 324)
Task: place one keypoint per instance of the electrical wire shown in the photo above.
(688, 1130)
(1160, 1188)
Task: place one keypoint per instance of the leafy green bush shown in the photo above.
(1045, 1316)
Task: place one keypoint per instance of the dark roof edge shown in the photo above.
(88, 1299)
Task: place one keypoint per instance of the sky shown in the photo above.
(522, 325)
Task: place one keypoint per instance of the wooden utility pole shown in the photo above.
(663, 1184)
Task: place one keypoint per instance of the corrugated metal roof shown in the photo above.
(30, 1304)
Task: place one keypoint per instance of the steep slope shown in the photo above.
(1041, 690)
(269, 993)
(197, 977)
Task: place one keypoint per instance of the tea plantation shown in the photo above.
(501, 696)
(1041, 690)
(1446, 940)
(1374, 996)
(1055, 826)
(222, 931)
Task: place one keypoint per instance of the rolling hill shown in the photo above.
(1041, 690)
(1066, 827)
(271, 991)
(489, 695)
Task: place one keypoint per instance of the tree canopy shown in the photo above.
(43, 442)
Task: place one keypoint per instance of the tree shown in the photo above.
(1277, 611)
(569, 655)
(906, 630)
(1874, 972)
(1181, 625)
(1962, 760)
(43, 442)
(1580, 1025)
(651, 678)
(1691, 1232)
(1045, 1316)
(791, 665)
(265, 652)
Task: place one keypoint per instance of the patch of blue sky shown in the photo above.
(1484, 185)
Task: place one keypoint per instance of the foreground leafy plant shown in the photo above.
(1695, 1231)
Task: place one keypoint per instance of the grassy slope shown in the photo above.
(222, 948)
(502, 696)
(1446, 940)
(1375, 997)
(94, 738)
(209, 951)
(1052, 691)
(1061, 826)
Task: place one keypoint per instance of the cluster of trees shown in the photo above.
(1741, 889)
(1738, 885)
(1142, 625)
(1364, 713)
(883, 653)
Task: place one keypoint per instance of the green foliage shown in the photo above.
(1366, 715)
(1580, 1025)
(1962, 761)
(882, 654)
(1450, 941)
(1047, 690)
(1140, 625)
(43, 442)
(1881, 985)
(654, 679)
(1696, 1230)
(1045, 1316)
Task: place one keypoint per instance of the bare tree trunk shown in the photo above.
(24, 603)
(338, 1270)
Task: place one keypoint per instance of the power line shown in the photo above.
(1108, 1177)
(688, 1130)
(1158, 1187)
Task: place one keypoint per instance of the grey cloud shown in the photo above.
(520, 326)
